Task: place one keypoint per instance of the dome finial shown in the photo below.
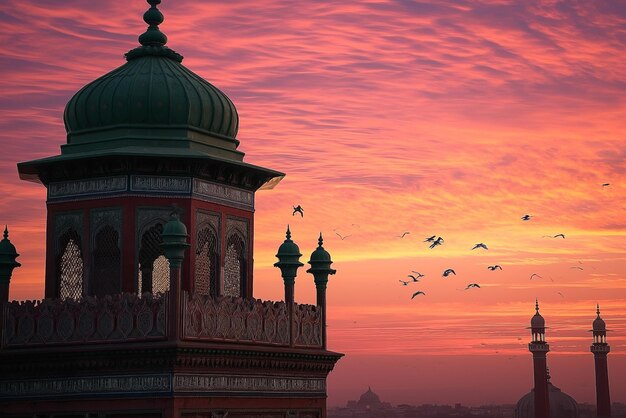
(320, 241)
(153, 17)
(537, 305)
(598, 309)
(6, 232)
(288, 233)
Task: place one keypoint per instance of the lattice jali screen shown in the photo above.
(160, 275)
(153, 270)
(234, 266)
(206, 262)
(70, 266)
(106, 262)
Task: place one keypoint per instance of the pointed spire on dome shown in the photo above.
(153, 17)
(537, 305)
(153, 40)
(6, 232)
(598, 309)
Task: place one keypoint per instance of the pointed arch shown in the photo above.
(207, 261)
(153, 268)
(235, 265)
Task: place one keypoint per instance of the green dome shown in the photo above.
(151, 91)
(151, 101)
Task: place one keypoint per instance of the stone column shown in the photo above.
(289, 262)
(320, 269)
(174, 246)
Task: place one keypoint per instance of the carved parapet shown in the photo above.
(307, 325)
(232, 319)
(113, 318)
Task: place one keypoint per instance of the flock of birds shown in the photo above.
(435, 241)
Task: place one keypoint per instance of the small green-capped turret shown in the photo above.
(8, 254)
(320, 263)
(288, 258)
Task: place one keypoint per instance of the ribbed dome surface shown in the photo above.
(151, 91)
(561, 404)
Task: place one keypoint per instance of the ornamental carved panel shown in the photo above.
(307, 325)
(233, 319)
(113, 318)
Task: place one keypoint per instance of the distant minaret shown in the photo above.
(540, 348)
(600, 350)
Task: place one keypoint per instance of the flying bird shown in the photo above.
(403, 234)
(555, 236)
(606, 184)
(430, 239)
(418, 273)
(560, 294)
(526, 217)
(535, 274)
(492, 268)
(419, 292)
(472, 285)
(438, 241)
(576, 267)
(404, 283)
(480, 245)
(342, 236)
(298, 209)
(415, 278)
(448, 272)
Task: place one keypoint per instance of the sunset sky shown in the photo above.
(449, 118)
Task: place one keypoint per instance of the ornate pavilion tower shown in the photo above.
(539, 347)
(600, 350)
(132, 324)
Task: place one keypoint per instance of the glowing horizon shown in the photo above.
(448, 118)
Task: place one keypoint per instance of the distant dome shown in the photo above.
(369, 399)
(598, 323)
(537, 320)
(561, 404)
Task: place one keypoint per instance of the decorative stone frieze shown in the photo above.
(87, 187)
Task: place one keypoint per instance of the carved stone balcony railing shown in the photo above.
(239, 320)
(116, 318)
(132, 318)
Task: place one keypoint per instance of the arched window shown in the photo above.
(207, 262)
(154, 268)
(70, 266)
(106, 263)
(235, 266)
